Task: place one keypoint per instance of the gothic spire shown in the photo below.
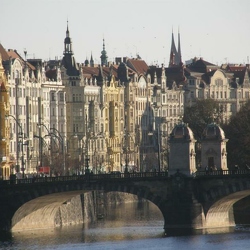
(173, 51)
(91, 60)
(179, 46)
(175, 56)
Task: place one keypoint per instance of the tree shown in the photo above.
(202, 113)
(238, 133)
(198, 116)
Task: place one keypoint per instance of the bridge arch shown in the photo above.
(218, 197)
(41, 210)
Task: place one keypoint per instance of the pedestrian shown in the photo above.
(206, 169)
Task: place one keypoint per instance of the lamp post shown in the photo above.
(158, 139)
(126, 150)
(159, 148)
(41, 141)
(17, 142)
(63, 149)
(87, 134)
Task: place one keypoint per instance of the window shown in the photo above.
(53, 96)
(219, 82)
(75, 127)
(61, 97)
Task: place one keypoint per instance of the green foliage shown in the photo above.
(238, 133)
(202, 113)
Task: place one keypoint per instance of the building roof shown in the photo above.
(4, 53)
(202, 66)
(10, 53)
(213, 132)
(138, 65)
(182, 132)
(174, 74)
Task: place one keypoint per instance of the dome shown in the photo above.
(213, 131)
(86, 62)
(182, 131)
(67, 40)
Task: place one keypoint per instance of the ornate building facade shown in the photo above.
(116, 116)
(5, 167)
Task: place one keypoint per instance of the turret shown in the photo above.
(68, 43)
(104, 57)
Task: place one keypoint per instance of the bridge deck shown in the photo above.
(125, 176)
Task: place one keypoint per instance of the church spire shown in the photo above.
(104, 57)
(175, 55)
(179, 47)
(91, 61)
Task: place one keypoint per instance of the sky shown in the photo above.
(216, 30)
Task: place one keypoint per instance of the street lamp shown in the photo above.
(87, 134)
(63, 148)
(158, 138)
(17, 142)
(41, 141)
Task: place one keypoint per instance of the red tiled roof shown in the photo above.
(235, 68)
(90, 70)
(4, 53)
(138, 65)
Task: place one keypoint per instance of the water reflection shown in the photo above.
(122, 222)
(140, 224)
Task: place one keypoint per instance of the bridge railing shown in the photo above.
(222, 172)
(87, 177)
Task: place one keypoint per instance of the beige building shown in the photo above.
(229, 85)
(5, 165)
(113, 112)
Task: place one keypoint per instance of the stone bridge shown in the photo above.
(198, 202)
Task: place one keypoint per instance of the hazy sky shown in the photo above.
(217, 30)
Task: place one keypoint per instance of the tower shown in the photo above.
(68, 60)
(104, 57)
(68, 43)
(182, 150)
(213, 147)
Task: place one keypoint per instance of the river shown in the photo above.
(128, 226)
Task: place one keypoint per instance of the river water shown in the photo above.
(127, 226)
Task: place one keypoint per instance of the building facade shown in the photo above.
(5, 167)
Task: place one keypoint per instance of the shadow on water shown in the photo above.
(5, 236)
(190, 231)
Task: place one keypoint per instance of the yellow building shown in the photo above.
(113, 123)
(4, 129)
